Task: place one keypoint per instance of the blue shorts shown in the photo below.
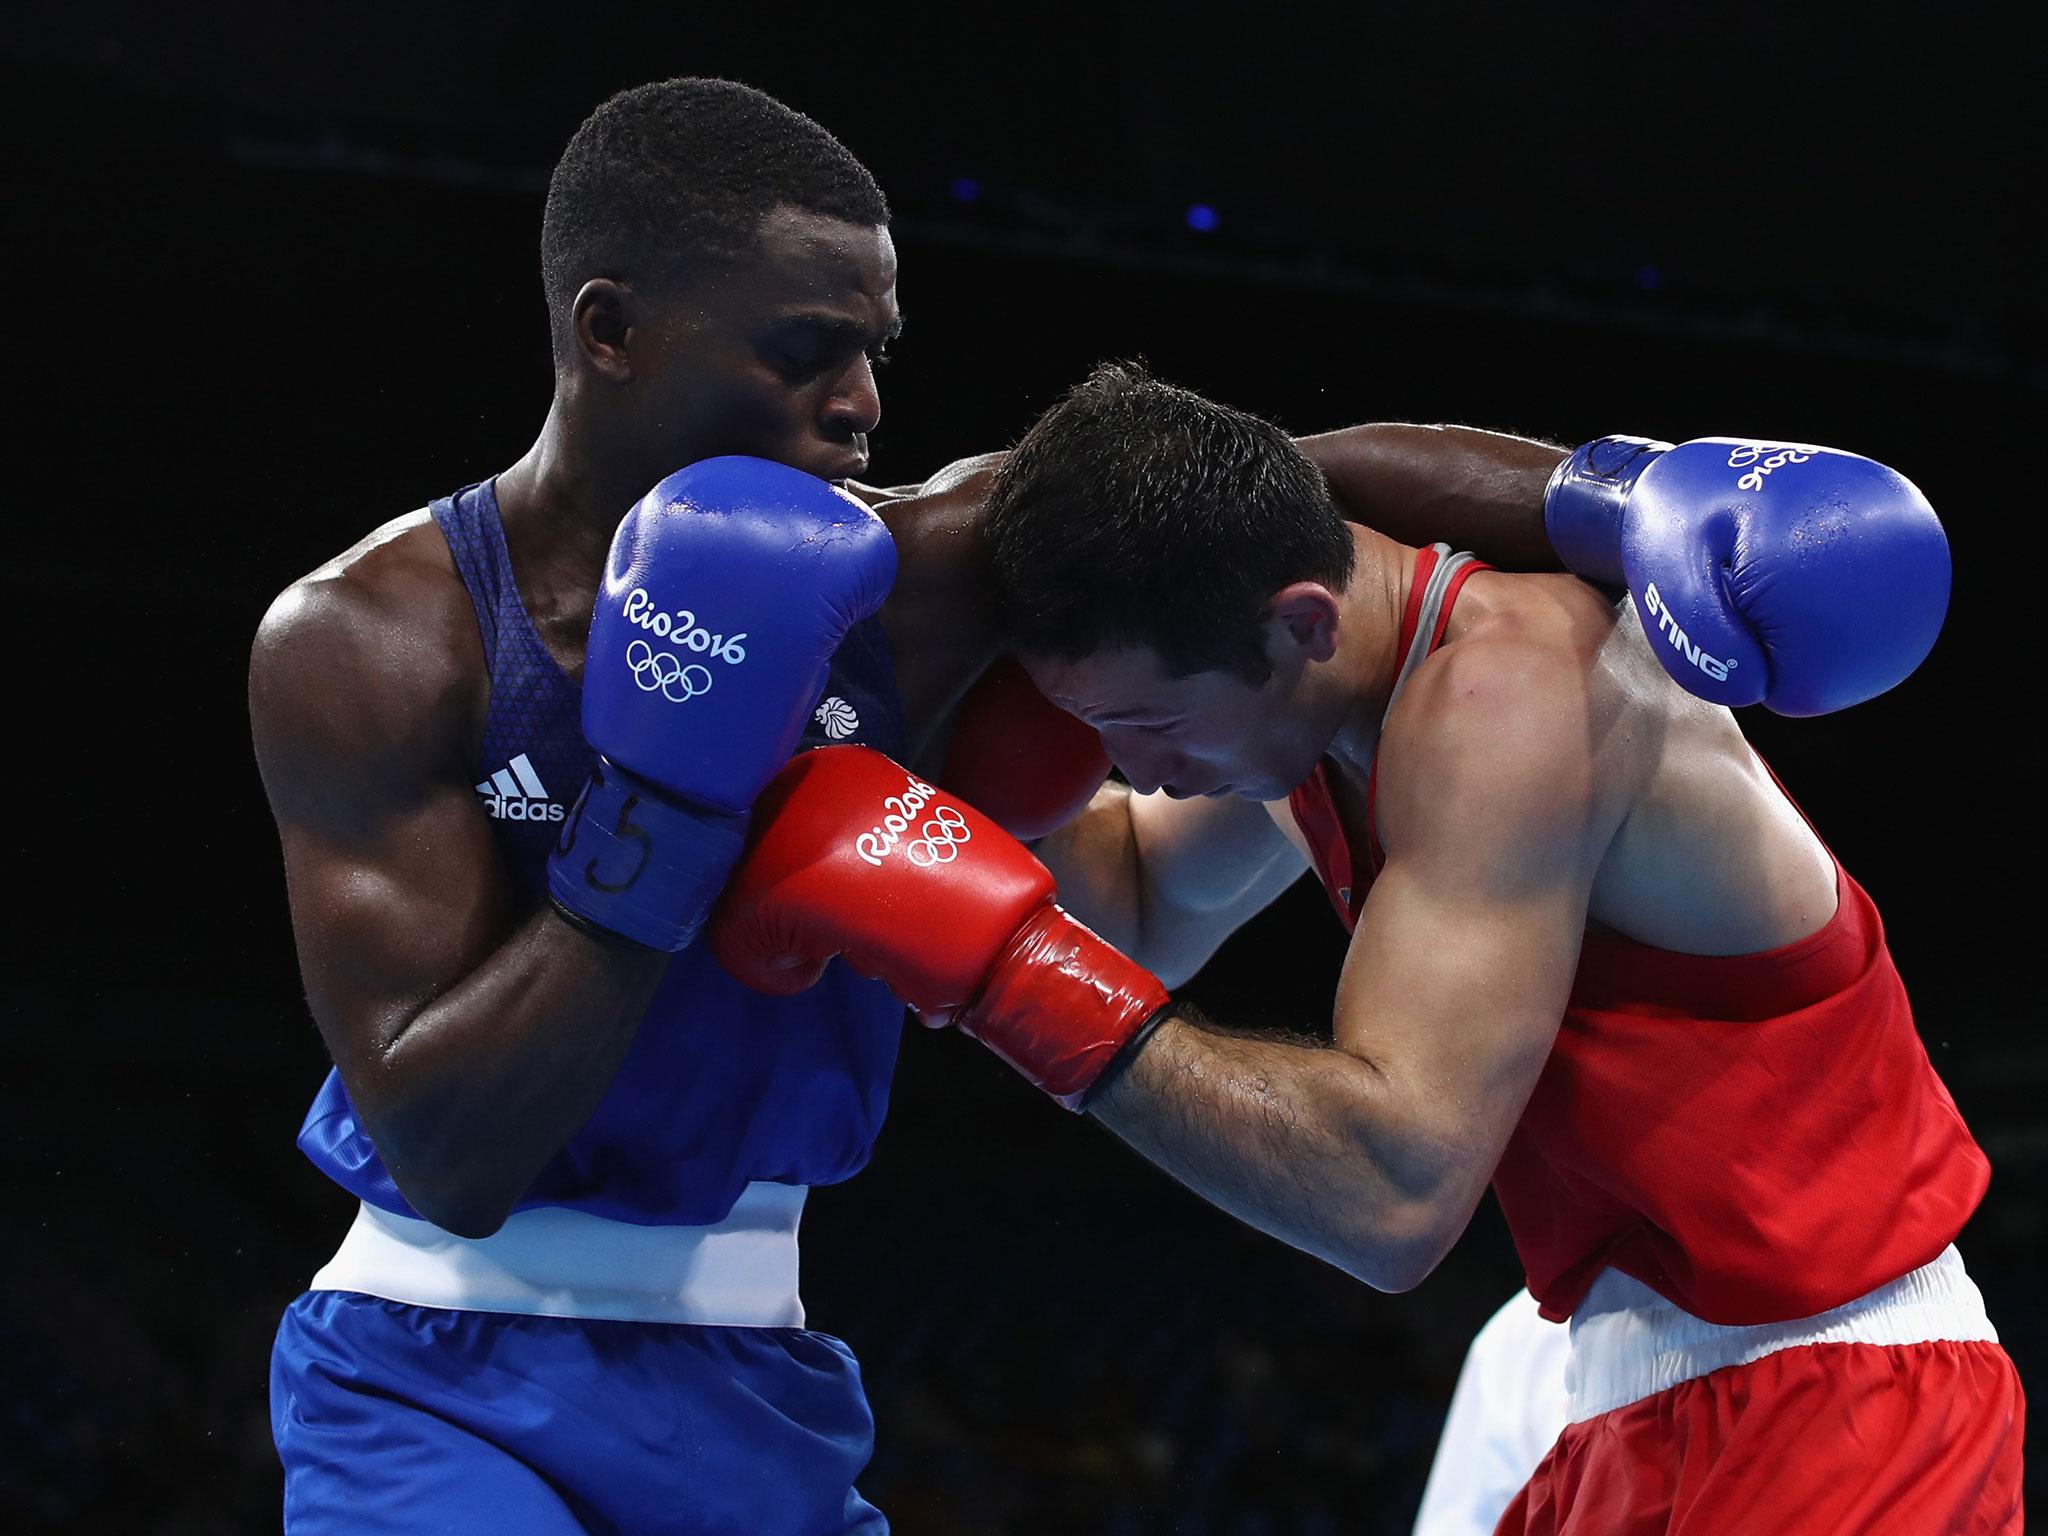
(395, 1418)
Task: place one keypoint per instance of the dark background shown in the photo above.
(275, 282)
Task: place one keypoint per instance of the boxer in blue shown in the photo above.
(509, 775)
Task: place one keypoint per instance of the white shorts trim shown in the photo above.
(552, 1262)
(1629, 1343)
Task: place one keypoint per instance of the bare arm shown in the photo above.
(1372, 1152)
(474, 1037)
(1166, 880)
(1475, 490)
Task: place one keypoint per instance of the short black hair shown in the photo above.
(675, 176)
(1136, 513)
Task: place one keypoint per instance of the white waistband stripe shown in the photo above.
(1629, 1343)
(741, 1273)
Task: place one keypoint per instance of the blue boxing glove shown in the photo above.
(1803, 578)
(727, 590)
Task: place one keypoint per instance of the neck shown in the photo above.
(562, 501)
(1369, 648)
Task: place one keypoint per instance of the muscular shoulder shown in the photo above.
(370, 665)
(1515, 740)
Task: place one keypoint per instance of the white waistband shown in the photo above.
(1629, 1343)
(552, 1262)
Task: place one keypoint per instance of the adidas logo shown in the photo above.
(515, 793)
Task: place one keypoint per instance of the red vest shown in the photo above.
(1755, 1137)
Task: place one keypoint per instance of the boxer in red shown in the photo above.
(1598, 958)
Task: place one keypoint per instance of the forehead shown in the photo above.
(808, 260)
(1123, 683)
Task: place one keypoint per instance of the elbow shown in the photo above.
(463, 1211)
(1402, 1248)
(1391, 1269)
(1395, 1271)
(456, 1193)
(1419, 1197)
(472, 1225)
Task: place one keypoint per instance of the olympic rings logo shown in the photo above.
(939, 835)
(942, 838)
(659, 672)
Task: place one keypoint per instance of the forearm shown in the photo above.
(480, 1088)
(1475, 490)
(1307, 1143)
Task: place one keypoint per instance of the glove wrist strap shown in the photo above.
(1061, 1005)
(1583, 501)
(634, 862)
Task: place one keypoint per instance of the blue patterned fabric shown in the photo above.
(721, 1086)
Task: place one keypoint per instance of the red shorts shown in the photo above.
(1818, 1438)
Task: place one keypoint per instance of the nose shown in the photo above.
(1144, 764)
(854, 407)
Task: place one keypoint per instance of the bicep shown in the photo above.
(391, 912)
(1166, 880)
(1205, 868)
(1093, 861)
(1453, 996)
(1463, 958)
(1226, 855)
(394, 882)
(1458, 982)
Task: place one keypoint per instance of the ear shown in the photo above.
(1302, 620)
(602, 319)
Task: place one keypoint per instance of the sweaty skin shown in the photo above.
(1539, 777)
(475, 1035)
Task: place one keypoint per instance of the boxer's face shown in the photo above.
(1212, 733)
(1215, 732)
(776, 356)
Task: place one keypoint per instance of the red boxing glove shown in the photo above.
(853, 855)
(1024, 762)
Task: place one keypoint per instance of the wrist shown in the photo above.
(1062, 1005)
(638, 863)
(1582, 503)
(1120, 1063)
(611, 938)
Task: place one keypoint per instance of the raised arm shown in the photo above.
(1475, 490)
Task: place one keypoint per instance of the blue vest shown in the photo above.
(722, 1086)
